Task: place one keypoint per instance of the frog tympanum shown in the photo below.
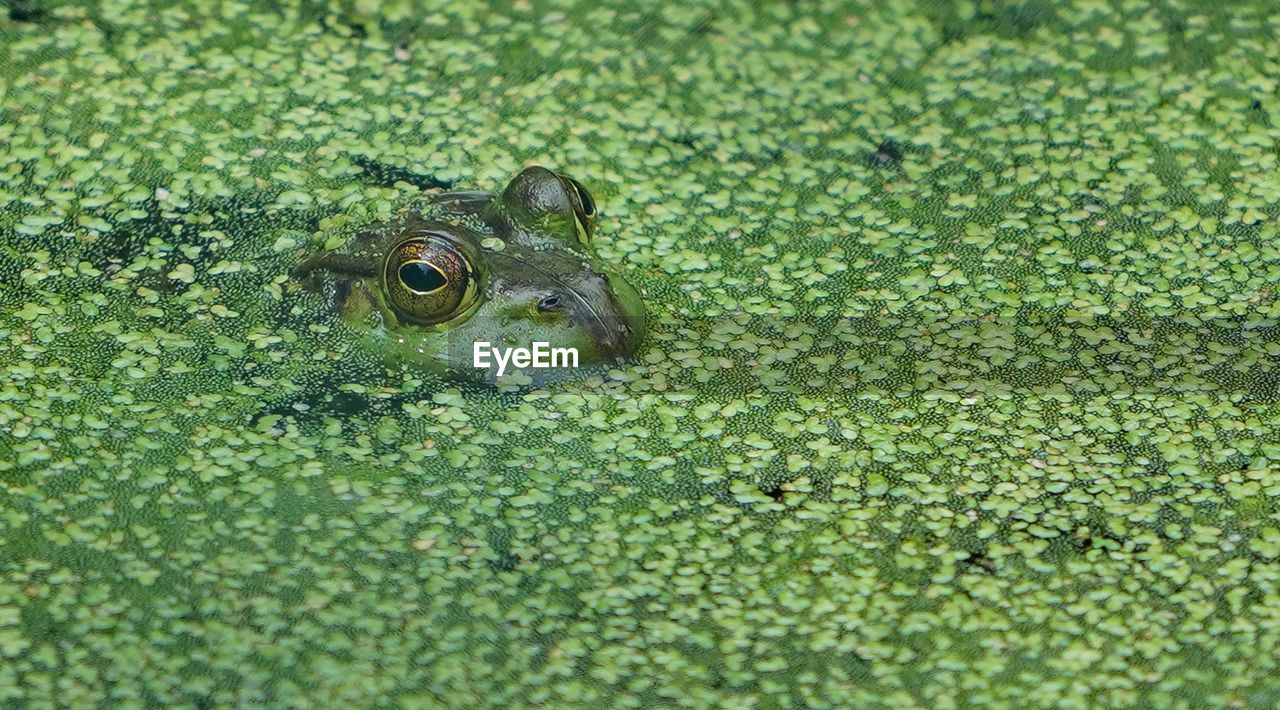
(454, 270)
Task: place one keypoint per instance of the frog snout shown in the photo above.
(627, 322)
(575, 302)
(608, 308)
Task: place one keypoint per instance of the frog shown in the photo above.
(456, 271)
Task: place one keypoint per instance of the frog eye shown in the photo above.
(584, 198)
(584, 207)
(428, 280)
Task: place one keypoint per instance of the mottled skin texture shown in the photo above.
(536, 278)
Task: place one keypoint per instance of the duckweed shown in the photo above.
(959, 387)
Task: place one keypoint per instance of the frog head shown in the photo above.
(510, 270)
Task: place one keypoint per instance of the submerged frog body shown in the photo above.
(510, 269)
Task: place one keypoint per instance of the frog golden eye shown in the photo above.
(584, 198)
(428, 280)
(584, 207)
(422, 278)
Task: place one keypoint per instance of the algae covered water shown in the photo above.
(958, 385)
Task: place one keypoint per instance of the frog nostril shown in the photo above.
(548, 303)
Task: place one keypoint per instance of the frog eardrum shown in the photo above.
(427, 279)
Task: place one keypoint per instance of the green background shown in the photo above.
(958, 387)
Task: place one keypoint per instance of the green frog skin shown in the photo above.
(457, 268)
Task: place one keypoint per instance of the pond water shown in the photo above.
(958, 385)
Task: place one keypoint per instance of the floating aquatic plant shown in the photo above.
(958, 388)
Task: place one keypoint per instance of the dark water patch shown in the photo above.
(346, 402)
(383, 174)
(887, 154)
(979, 563)
(685, 140)
(1009, 20)
(28, 11)
(344, 26)
(164, 229)
(774, 492)
(1186, 53)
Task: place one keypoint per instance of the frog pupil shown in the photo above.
(588, 205)
(422, 277)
